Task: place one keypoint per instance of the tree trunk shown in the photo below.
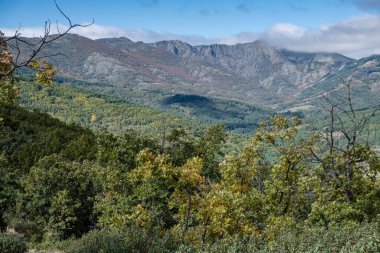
(187, 213)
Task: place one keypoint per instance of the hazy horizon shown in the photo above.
(348, 27)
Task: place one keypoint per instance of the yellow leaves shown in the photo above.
(270, 138)
(5, 61)
(140, 215)
(296, 120)
(44, 72)
(151, 165)
(279, 128)
(190, 190)
(5, 57)
(93, 118)
(225, 205)
(146, 156)
(238, 173)
(35, 64)
(81, 98)
(279, 121)
(8, 92)
(226, 213)
(190, 173)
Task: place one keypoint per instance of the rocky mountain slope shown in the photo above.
(283, 72)
(364, 75)
(255, 72)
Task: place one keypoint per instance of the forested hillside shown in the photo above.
(119, 109)
(104, 155)
(282, 191)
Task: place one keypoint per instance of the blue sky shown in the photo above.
(284, 23)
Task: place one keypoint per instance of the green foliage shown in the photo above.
(120, 151)
(133, 240)
(284, 188)
(235, 116)
(28, 136)
(11, 244)
(176, 190)
(29, 230)
(363, 238)
(182, 146)
(8, 91)
(77, 105)
(58, 197)
(102, 241)
(25, 138)
(44, 72)
(332, 205)
(4, 195)
(141, 197)
(210, 150)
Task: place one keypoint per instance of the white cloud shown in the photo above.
(97, 31)
(286, 30)
(25, 31)
(356, 37)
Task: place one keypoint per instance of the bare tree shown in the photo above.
(347, 135)
(27, 54)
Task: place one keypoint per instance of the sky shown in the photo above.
(349, 27)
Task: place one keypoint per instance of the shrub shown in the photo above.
(357, 238)
(98, 241)
(29, 230)
(131, 241)
(354, 238)
(11, 244)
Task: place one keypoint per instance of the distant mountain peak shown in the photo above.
(255, 72)
(116, 40)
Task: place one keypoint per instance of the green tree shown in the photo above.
(346, 179)
(58, 197)
(234, 204)
(138, 197)
(4, 198)
(181, 146)
(210, 149)
(291, 152)
(8, 92)
(188, 192)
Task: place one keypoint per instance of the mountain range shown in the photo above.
(254, 73)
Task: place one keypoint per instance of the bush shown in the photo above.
(11, 244)
(231, 245)
(98, 241)
(358, 238)
(29, 230)
(131, 241)
(354, 238)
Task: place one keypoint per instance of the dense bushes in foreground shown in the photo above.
(363, 238)
(11, 244)
(121, 241)
(181, 193)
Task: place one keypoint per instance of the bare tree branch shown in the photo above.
(36, 48)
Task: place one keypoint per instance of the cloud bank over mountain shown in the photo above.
(356, 37)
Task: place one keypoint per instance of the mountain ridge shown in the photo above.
(253, 72)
